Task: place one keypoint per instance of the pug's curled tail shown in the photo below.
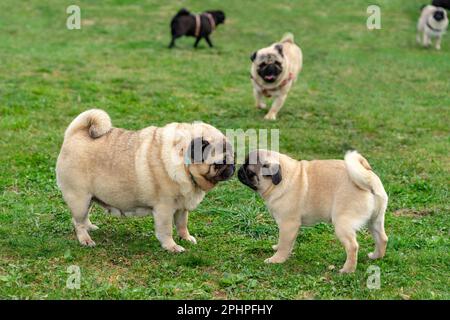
(95, 122)
(361, 174)
(288, 37)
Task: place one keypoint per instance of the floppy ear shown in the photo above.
(274, 172)
(279, 48)
(253, 56)
(276, 176)
(197, 149)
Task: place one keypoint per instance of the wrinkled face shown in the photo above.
(211, 161)
(439, 14)
(269, 63)
(260, 171)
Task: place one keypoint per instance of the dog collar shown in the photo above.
(432, 28)
(266, 91)
(191, 176)
(267, 191)
(197, 25)
(211, 21)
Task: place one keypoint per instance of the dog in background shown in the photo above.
(199, 26)
(441, 3)
(274, 69)
(346, 193)
(433, 23)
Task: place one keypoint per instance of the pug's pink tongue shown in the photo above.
(269, 77)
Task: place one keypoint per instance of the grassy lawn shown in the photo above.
(375, 91)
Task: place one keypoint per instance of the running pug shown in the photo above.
(165, 171)
(433, 23)
(346, 193)
(274, 70)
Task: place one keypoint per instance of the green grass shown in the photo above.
(375, 91)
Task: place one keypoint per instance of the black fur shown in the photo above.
(245, 176)
(279, 48)
(269, 72)
(274, 171)
(183, 24)
(253, 56)
(442, 3)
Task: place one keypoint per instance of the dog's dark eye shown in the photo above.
(262, 65)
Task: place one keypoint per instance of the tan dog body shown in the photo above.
(290, 59)
(133, 173)
(345, 193)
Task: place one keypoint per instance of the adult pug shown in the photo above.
(346, 193)
(165, 171)
(433, 23)
(274, 70)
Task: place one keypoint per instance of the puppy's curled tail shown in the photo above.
(95, 121)
(287, 37)
(361, 174)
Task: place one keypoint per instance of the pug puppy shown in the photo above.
(164, 171)
(433, 23)
(274, 70)
(346, 193)
(199, 26)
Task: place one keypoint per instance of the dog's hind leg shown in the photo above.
(376, 228)
(79, 203)
(347, 236)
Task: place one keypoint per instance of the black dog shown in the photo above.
(199, 26)
(442, 3)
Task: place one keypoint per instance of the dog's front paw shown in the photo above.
(347, 270)
(175, 248)
(275, 259)
(271, 116)
(190, 239)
